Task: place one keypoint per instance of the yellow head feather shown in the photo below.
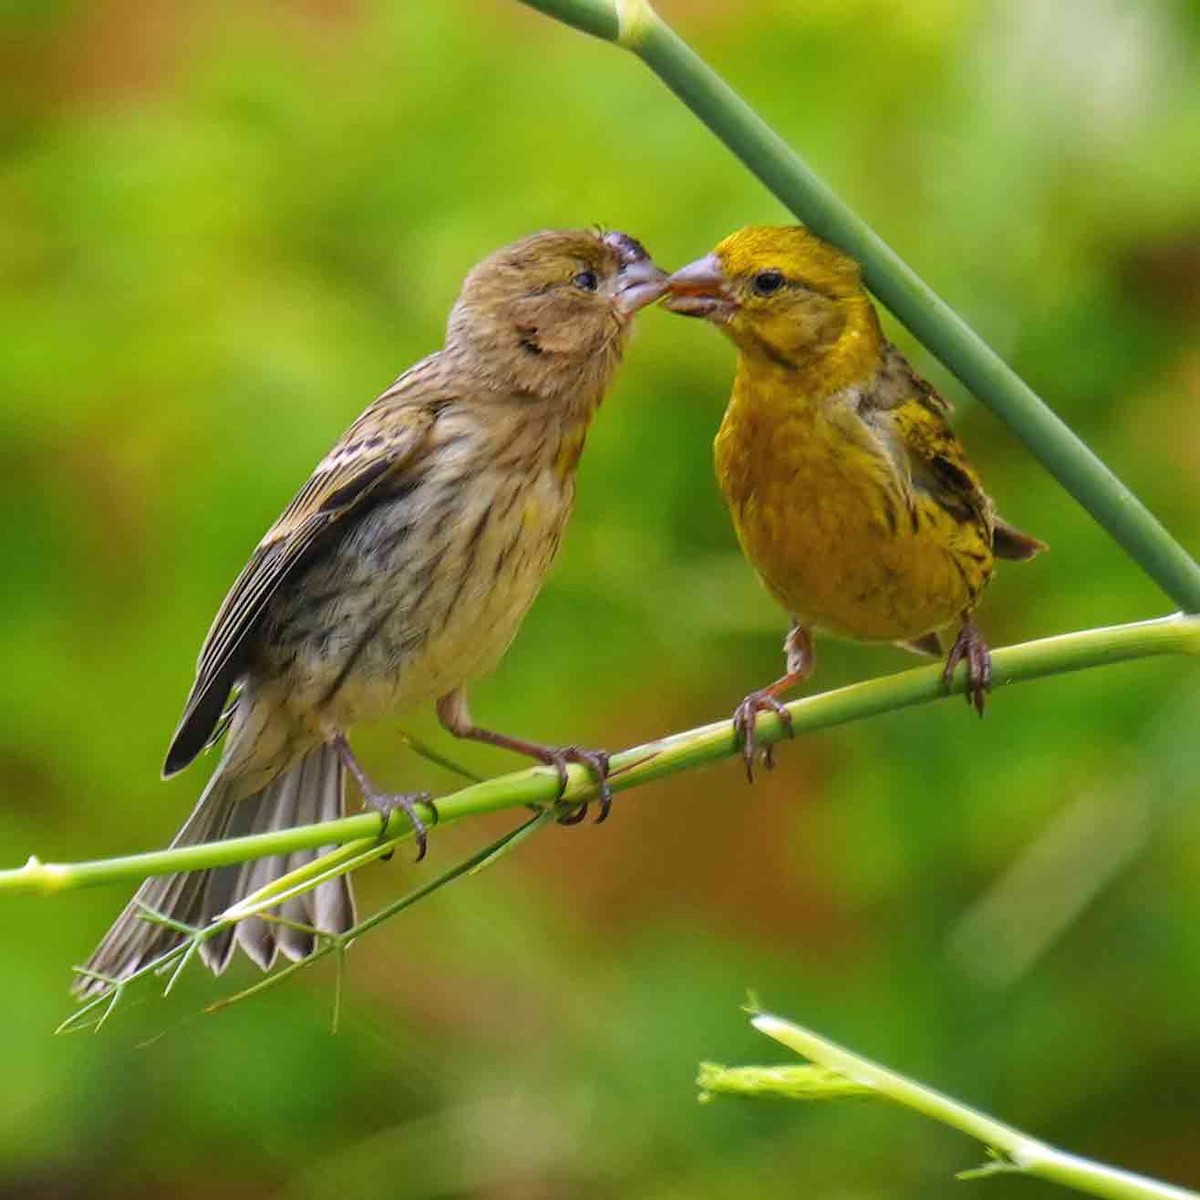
(799, 303)
(801, 256)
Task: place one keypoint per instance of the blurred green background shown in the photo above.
(224, 228)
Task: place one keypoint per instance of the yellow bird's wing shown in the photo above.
(911, 420)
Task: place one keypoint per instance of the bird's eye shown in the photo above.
(586, 280)
(766, 282)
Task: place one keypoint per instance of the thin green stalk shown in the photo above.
(653, 760)
(1010, 1150)
(634, 25)
(776, 1083)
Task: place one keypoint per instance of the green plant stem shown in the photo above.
(1012, 1150)
(634, 25)
(680, 752)
(776, 1083)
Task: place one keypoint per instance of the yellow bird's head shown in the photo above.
(778, 291)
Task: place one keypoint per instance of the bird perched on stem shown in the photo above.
(398, 574)
(851, 495)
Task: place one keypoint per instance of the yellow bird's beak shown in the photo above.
(701, 289)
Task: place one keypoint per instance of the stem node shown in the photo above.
(634, 19)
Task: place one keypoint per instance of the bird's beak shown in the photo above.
(639, 281)
(701, 289)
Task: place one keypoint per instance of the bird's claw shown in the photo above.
(745, 727)
(597, 763)
(386, 803)
(970, 647)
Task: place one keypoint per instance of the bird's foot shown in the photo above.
(386, 803)
(454, 716)
(597, 764)
(745, 727)
(970, 647)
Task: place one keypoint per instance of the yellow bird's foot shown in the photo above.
(745, 727)
(969, 647)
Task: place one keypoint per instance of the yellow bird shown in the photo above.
(851, 495)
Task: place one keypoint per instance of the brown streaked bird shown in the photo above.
(398, 574)
(850, 493)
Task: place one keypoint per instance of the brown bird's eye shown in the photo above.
(586, 280)
(766, 282)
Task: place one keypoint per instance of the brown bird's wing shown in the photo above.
(374, 454)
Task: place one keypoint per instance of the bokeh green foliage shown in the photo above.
(224, 228)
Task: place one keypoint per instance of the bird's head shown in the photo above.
(777, 290)
(550, 314)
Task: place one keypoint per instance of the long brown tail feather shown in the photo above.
(310, 790)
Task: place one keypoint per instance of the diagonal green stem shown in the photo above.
(634, 25)
(1012, 1151)
(680, 752)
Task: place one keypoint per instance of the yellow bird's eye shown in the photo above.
(586, 280)
(766, 282)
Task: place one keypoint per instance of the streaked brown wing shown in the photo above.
(375, 452)
(912, 420)
(940, 467)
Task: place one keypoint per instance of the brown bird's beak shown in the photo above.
(701, 289)
(639, 282)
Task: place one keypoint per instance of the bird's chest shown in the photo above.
(830, 529)
(799, 490)
(428, 591)
(494, 565)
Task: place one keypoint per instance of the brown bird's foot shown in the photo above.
(386, 803)
(597, 764)
(970, 647)
(456, 717)
(745, 727)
